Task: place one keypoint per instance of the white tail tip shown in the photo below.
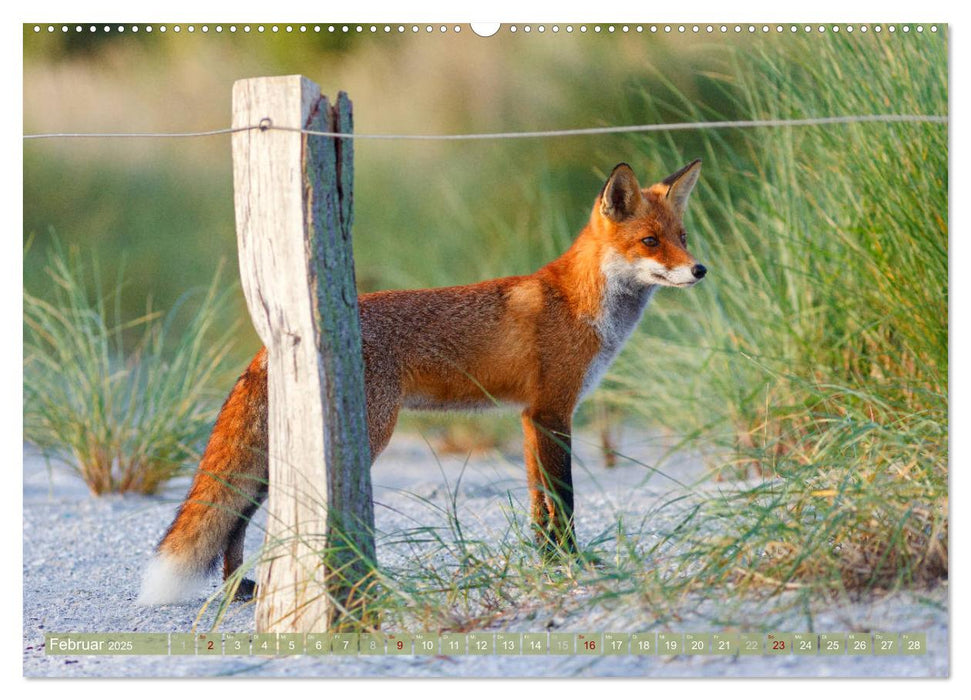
(168, 581)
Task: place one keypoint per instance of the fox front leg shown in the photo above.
(547, 455)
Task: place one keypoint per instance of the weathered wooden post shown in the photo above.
(293, 195)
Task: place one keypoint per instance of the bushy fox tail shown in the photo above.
(228, 487)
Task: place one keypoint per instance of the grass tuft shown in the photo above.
(122, 402)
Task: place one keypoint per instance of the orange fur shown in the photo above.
(537, 342)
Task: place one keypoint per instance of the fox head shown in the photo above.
(645, 239)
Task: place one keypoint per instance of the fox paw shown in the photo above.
(245, 591)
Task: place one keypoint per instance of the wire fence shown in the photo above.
(266, 124)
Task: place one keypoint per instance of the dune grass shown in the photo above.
(816, 352)
(123, 402)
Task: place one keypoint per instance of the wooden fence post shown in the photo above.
(293, 196)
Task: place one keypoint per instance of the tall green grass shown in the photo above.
(816, 350)
(124, 402)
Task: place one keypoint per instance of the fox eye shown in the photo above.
(684, 239)
(650, 241)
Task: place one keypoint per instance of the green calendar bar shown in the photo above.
(665, 643)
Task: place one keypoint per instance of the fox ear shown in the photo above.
(621, 194)
(680, 184)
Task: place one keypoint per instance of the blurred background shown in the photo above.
(427, 213)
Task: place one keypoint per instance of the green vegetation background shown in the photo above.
(427, 214)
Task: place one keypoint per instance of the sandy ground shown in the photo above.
(83, 558)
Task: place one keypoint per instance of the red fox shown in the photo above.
(538, 342)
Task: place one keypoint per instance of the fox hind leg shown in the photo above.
(233, 556)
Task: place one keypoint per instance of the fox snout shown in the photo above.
(650, 272)
(686, 276)
(697, 272)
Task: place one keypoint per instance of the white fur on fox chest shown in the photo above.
(624, 301)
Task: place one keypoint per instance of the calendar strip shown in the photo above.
(665, 644)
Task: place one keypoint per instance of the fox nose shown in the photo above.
(699, 271)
